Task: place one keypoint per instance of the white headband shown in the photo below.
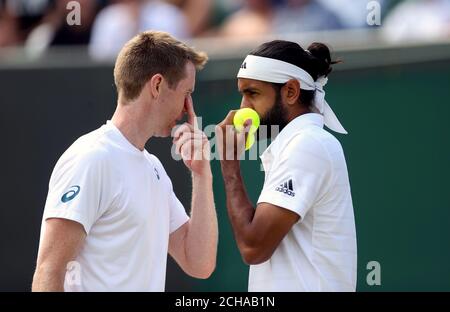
(276, 71)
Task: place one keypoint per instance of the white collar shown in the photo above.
(122, 140)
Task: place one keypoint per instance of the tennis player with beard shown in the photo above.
(301, 234)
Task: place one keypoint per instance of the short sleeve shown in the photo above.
(78, 189)
(178, 215)
(298, 175)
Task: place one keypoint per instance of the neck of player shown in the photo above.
(128, 118)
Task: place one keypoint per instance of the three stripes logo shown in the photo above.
(244, 65)
(286, 188)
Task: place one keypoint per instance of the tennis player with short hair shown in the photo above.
(301, 236)
(111, 205)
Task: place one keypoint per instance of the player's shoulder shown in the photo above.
(314, 139)
(89, 150)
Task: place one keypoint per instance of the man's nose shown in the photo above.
(246, 104)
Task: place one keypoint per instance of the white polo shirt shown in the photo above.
(124, 199)
(306, 172)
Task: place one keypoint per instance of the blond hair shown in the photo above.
(150, 53)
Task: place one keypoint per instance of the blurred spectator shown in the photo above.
(54, 29)
(67, 34)
(118, 23)
(197, 12)
(253, 19)
(304, 15)
(279, 17)
(18, 17)
(351, 13)
(418, 20)
(9, 30)
(107, 24)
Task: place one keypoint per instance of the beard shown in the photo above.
(275, 117)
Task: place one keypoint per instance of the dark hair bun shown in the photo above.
(322, 53)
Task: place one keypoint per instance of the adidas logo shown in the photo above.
(244, 65)
(286, 188)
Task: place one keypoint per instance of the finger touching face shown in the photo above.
(183, 93)
(189, 109)
(178, 100)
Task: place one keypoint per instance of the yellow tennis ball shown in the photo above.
(242, 116)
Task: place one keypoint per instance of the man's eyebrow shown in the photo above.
(249, 89)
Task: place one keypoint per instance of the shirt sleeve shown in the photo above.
(178, 215)
(77, 190)
(298, 176)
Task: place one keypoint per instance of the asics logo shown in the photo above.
(70, 194)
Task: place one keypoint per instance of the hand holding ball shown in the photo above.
(239, 120)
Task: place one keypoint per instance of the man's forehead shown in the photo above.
(245, 83)
(187, 85)
(188, 82)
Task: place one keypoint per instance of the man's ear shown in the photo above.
(155, 85)
(291, 92)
